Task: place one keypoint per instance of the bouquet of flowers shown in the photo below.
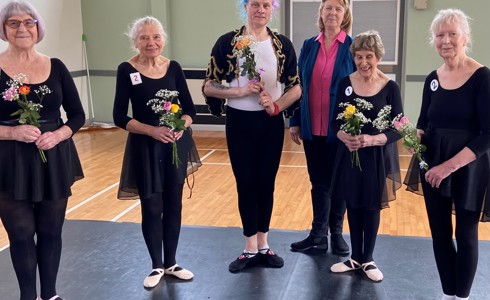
(354, 121)
(401, 124)
(169, 116)
(29, 111)
(244, 48)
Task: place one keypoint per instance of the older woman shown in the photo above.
(150, 171)
(38, 157)
(254, 122)
(455, 127)
(366, 191)
(324, 60)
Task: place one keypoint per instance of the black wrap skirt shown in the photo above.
(148, 165)
(26, 177)
(468, 186)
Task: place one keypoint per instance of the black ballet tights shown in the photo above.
(456, 263)
(161, 221)
(363, 226)
(23, 220)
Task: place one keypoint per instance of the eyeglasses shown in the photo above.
(15, 24)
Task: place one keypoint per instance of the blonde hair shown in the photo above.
(346, 22)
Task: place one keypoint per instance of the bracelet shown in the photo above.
(276, 110)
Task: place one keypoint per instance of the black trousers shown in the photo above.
(328, 213)
(255, 143)
(456, 264)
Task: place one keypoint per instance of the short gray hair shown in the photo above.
(135, 29)
(17, 8)
(369, 40)
(451, 16)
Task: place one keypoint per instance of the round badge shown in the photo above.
(348, 91)
(434, 84)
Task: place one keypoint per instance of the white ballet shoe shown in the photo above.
(179, 272)
(153, 278)
(341, 267)
(373, 274)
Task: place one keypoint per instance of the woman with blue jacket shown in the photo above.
(324, 60)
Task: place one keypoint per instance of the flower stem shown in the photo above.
(43, 156)
(355, 159)
(175, 155)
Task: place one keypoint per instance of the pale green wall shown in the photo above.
(421, 58)
(194, 25)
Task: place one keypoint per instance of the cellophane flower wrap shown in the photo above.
(402, 125)
(169, 116)
(29, 111)
(244, 47)
(354, 120)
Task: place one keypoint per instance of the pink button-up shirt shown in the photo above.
(319, 93)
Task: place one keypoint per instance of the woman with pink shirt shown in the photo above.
(324, 59)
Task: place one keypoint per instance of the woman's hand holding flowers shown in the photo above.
(253, 87)
(25, 133)
(48, 140)
(164, 134)
(265, 99)
(351, 141)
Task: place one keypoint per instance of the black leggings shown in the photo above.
(161, 221)
(255, 145)
(456, 265)
(363, 226)
(22, 221)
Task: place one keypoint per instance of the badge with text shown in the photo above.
(348, 91)
(135, 78)
(434, 84)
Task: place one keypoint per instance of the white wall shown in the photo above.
(63, 37)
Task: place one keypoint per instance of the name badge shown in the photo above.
(348, 91)
(135, 78)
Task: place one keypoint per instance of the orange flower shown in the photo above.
(245, 42)
(24, 90)
(239, 46)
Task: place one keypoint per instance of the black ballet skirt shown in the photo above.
(28, 178)
(147, 165)
(442, 144)
(372, 187)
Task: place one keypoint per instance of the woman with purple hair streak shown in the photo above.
(254, 122)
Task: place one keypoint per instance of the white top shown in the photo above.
(265, 59)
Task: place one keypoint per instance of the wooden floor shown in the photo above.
(214, 199)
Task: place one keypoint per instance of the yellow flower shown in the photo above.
(349, 111)
(175, 108)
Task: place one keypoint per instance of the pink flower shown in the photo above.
(11, 94)
(167, 106)
(404, 120)
(398, 125)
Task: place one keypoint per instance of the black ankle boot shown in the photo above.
(338, 244)
(311, 242)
